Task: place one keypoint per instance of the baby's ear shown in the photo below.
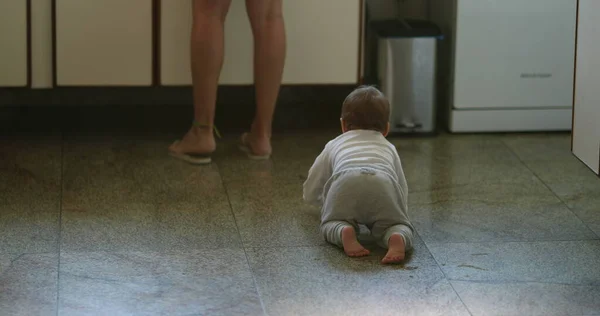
(343, 125)
(387, 129)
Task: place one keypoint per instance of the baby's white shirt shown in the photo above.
(352, 150)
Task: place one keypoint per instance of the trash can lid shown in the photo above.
(406, 28)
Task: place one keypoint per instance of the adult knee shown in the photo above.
(210, 10)
(264, 13)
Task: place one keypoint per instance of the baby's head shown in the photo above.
(366, 108)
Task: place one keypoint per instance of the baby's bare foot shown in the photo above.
(396, 250)
(351, 245)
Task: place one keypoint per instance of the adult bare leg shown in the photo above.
(266, 19)
(207, 49)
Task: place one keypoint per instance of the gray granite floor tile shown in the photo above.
(525, 211)
(270, 213)
(208, 282)
(565, 262)
(235, 167)
(506, 299)
(428, 173)
(473, 221)
(125, 195)
(293, 170)
(449, 160)
(293, 155)
(266, 199)
(529, 192)
(25, 228)
(563, 171)
(302, 144)
(30, 169)
(583, 198)
(28, 284)
(540, 147)
(455, 149)
(323, 281)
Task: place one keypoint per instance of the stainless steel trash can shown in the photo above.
(406, 72)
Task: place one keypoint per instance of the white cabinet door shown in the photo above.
(13, 43)
(586, 110)
(103, 42)
(322, 43)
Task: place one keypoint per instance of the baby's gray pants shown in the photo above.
(369, 197)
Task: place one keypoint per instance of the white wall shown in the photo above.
(586, 121)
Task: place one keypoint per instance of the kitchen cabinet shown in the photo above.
(103, 42)
(14, 47)
(586, 109)
(323, 39)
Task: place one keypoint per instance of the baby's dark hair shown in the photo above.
(366, 108)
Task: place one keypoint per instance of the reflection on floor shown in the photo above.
(111, 225)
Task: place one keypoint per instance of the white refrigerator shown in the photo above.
(506, 66)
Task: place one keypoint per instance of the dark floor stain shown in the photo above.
(27, 174)
(471, 266)
(74, 210)
(479, 254)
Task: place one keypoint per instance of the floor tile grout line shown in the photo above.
(507, 241)
(492, 282)
(242, 242)
(444, 274)
(432, 243)
(60, 207)
(550, 189)
(284, 246)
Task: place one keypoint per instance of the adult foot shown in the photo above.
(256, 146)
(351, 245)
(198, 140)
(396, 250)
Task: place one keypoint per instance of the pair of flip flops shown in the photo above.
(205, 158)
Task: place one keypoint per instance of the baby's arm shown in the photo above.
(318, 175)
(400, 173)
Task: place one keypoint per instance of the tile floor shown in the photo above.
(110, 225)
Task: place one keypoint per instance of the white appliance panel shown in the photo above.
(514, 54)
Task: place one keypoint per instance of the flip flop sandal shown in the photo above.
(194, 158)
(245, 147)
